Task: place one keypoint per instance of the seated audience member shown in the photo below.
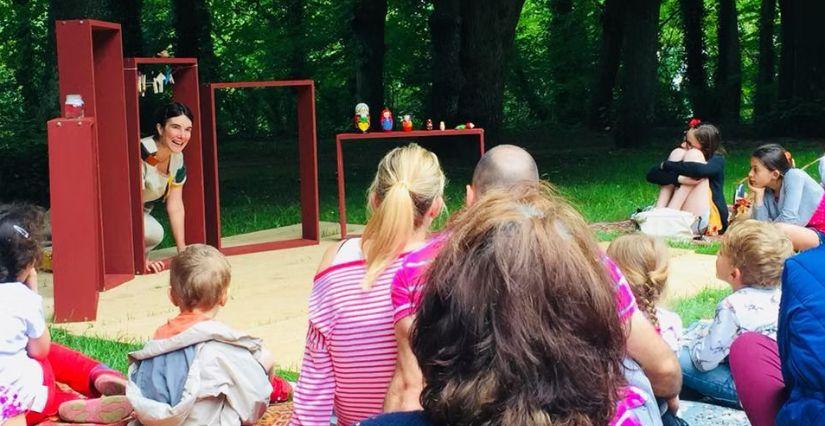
(784, 383)
(197, 370)
(693, 178)
(518, 322)
(787, 196)
(503, 167)
(30, 364)
(644, 262)
(750, 260)
(350, 350)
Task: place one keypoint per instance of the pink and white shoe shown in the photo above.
(107, 409)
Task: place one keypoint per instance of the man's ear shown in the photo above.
(470, 196)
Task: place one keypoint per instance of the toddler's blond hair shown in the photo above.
(759, 250)
(199, 277)
(644, 261)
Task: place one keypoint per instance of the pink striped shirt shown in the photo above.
(350, 351)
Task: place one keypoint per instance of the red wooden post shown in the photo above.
(307, 161)
(339, 154)
(90, 60)
(77, 233)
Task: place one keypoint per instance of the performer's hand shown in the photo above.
(156, 266)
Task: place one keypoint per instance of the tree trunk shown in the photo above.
(693, 13)
(787, 53)
(193, 36)
(728, 77)
(130, 25)
(765, 95)
(445, 30)
(802, 66)
(368, 27)
(487, 33)
(295, 33)
(639, 77)
(25, 72)
(570, 59)
(601, 98)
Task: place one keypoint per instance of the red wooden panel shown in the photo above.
(388, 136)
(75, 216)
(130, 76)
(308, 166)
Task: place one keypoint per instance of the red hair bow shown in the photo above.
(694, 122)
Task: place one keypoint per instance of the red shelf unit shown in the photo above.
(185, 90)
(89, 61)
(307, 158)
(340, 138)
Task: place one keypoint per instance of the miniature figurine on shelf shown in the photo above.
(386, 120)
(362, 117)
(429, 124)
(461, 127)
(441, 126)
(406, 123)
(470, 125)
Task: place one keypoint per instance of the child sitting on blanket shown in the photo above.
(644, 262)
(197, 370)
(30, 365)
(750, 259)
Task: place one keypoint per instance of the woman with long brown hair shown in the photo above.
(518, 322)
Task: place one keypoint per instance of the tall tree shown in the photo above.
(802, 66)
(728, 78)
(693, 14)
(765, 95)
(368, 27)
(568, 46)
(488, 29)
(193, 36)
(130, 11)
(639, 78)
(295, 33)
(25, 69)
(612, 24)
(445, 30)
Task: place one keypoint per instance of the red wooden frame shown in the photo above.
(307, 158)
(395, 135)
(185, 90)
(89, 61)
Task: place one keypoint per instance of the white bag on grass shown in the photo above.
(667, 223)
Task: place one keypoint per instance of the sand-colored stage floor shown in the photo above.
(269, 294)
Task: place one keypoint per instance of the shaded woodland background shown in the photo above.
(620, 67)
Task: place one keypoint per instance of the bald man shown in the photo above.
(501, 167)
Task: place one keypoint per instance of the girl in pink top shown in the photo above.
(350, 351)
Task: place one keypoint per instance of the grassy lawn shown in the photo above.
(259, 190)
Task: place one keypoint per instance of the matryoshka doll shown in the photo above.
(386, 120)
(406, 123)
(362, 117)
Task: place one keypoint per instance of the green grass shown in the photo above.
(701, 305)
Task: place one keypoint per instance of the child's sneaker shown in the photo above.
(110, 384)
(108, 409)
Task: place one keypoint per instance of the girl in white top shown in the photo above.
(163, 174)
(24, 338)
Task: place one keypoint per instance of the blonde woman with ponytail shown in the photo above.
(351, 349)
(644, 261)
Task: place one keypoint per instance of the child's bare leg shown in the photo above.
(692, 198)
(19, 420)
(666, 191)
(802, 238)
